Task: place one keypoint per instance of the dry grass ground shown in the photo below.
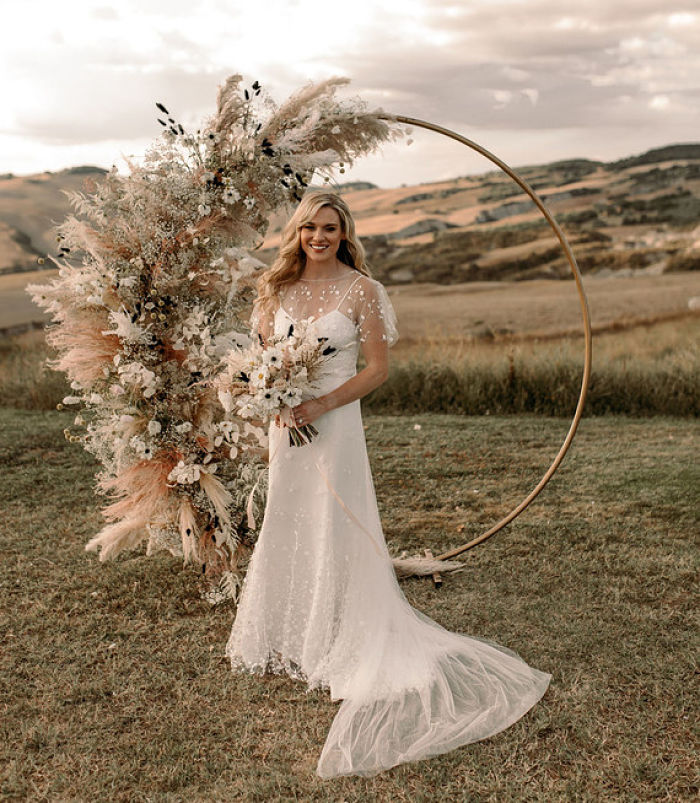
(540, 307)
(114, 686)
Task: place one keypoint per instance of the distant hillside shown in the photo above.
(670, 153)
(634, 215)
(30, 206)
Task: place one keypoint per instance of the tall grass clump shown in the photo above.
(634, 373)
(643, 371)
(26, 380)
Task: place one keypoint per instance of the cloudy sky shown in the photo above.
(530, 80)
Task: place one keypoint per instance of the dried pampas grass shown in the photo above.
(419, 566)
(114, 538)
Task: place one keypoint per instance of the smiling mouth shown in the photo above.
(319, 247)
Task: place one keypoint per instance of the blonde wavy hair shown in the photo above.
(291, 259)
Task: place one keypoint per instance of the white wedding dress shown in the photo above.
(320, 600)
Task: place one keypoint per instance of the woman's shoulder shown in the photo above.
(365, 283)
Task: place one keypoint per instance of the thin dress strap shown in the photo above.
(345, 294)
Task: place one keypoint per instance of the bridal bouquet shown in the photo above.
(264, 381)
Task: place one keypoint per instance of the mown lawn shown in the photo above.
(114, 685)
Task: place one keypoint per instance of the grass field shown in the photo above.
(115, 686)
(648, 369)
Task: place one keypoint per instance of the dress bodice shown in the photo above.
(341, 333)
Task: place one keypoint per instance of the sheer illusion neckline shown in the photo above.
(332, 278)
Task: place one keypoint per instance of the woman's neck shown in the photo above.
(319, 273)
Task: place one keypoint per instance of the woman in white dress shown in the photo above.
(320, 600)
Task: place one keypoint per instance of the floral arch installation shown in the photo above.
(518, 509)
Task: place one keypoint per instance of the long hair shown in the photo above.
(291, 259)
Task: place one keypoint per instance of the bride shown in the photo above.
(320, 600)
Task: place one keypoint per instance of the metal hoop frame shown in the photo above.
(516, 511)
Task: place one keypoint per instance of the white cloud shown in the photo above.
(83, 87)
(659, 102)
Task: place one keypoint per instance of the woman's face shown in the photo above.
(321, 236)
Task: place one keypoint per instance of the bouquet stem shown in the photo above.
(299, 436)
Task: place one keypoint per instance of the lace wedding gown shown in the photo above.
(320, 600)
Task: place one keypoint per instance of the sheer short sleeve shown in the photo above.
(374, 314)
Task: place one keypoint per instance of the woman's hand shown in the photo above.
(307, 412)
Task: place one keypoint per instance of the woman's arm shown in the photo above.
(376, 354)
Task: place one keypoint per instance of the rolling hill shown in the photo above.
(637, 216)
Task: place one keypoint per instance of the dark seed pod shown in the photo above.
(291, 330)
(180, 128)
(170, 120)
(174, 130)
(328, 350)
(162, 122)
(162, 108)
(247, 94)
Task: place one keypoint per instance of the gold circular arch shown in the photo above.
(518, 509)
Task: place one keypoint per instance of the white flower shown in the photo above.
(272, 356)
(233, 453)
(72, 399)
(249, 202)
(134, 373)
(186, 426)
(259, 376)
(204, 210)
(231, 195)
(185, 473)
(291, 397)
(335, 129)
(95, 398)
(141, 449)
(154, 427)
